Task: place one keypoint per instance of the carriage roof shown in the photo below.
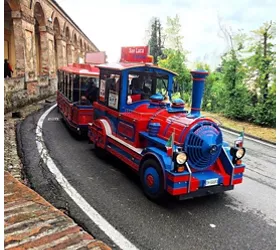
(81, 69)
(124, 66)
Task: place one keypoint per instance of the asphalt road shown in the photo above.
(243, 218)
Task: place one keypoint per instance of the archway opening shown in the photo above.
(81, 55)
(39, 21)
(56, 28)
(9, 40)
(68, 46)
(76, 53)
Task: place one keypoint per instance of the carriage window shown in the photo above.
(68, 91)
(86, 84)
(76, 80)
(142, 85)
(65, 84)
(70, 80)
(62, 82)
(110, 88)
(88, 88)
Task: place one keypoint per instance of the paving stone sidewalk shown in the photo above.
(30, 222)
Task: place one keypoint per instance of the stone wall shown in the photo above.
(39, 38)
(19, 93)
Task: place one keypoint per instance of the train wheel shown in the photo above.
(151, 177)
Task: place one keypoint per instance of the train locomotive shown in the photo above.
(174, 151)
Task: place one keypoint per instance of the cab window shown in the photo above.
(109, 90)
(142, 85)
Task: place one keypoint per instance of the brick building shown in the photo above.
(39, 37)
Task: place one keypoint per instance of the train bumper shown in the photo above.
(205, 191)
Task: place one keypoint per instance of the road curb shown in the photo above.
(249, 136)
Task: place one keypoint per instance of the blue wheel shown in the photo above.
(152, 179)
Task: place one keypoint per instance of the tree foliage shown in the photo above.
(243, 87)
(175, 61)
(156, 41)
(174, 57)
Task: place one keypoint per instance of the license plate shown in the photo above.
(211, 182)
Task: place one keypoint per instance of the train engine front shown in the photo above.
(187, 156)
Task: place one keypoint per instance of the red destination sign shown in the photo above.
(135, 54)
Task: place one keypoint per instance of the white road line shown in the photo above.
(249, 138)
(104, 225)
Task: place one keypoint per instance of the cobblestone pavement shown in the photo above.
(30, 222)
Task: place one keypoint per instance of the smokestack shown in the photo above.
(197, 92)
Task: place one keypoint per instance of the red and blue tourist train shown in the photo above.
(174, 151)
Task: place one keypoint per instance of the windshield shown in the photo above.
(142, 85)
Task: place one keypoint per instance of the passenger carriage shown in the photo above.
(77, 90)
(173, 151)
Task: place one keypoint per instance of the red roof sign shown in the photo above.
(139, 54)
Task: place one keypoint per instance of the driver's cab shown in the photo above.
(124, 86)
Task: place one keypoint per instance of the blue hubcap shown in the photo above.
(151, 180)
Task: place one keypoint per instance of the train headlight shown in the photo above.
(237, 153)
(181, 158)
(240, 153)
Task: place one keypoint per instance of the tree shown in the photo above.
(173, 39)
(262, 62)
(155, 41)
(174, 57)
(175, 61)
(262, 72)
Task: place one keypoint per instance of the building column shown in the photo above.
(69, 54)
(19, 44)
(44, 50)
(77, 54)
(61, 52)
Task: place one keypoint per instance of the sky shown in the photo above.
(112, 24)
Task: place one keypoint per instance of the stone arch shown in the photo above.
(81, 44)
(64, 28)
(57, 35)
(81, 54)
(67, 34)
(68, 44)
(53, 15)
(56, 27)
(39, 14)
(76, 48)
(40, 21)
(85, 46)
(13, 4)
(75, 40)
